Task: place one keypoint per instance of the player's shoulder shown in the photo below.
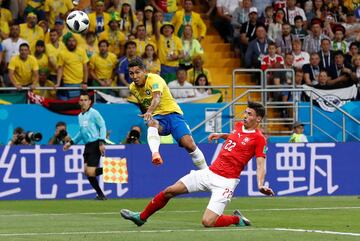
(260, 135)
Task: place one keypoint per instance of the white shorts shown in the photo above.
(221, 188)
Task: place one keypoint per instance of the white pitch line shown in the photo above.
(177, 211)
(182, 231)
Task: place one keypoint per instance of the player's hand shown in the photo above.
(102, 149)
(147, 116)
(213, 136)
(67, 146)
(266, 191)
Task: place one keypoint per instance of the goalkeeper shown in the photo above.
(161, 113)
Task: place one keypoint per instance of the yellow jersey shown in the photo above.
(43, 61)
(52, 52)
(57, 8)
(116, 40)
(31, 35)
(167, 46)
(72, 62)
(141, 44)
(103, 67)
(143, 94)
(23, 70)
(6, 15)
(153, 66)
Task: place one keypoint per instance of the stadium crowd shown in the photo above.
(314, 38)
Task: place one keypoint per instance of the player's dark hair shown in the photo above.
(84, 92)
(258, 107)
(137, 62)
(60, 123)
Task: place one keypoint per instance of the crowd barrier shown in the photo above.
(47, 172)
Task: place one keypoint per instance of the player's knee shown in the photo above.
(208, 222)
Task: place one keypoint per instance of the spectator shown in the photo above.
(60, 136)
(323, 80)
(261, 6)
(284, 42)
(91, 45)
(298, 133)
(99, 20)
(225, 10)
(186, 17)
(202, 80)
(151, 60)
(339, 43)
(166, 7)
(352, 27)
(271, 60)
(356, 73)
(59, 28)
(11, 45)
(122, 69)
(181, 82)
(312, 70)
(114, 36)
(44, 25)
(45, 82)
(72, 68)
(30, 31)
(191, 47)
(102, 65)
(269, 16)
(133, 136)
(275, 29)
(4, 28)
(257, 48)
(52, 51)
(247, 32)
(57, 9)
(23, 68)
(339, 11)
(293, 11)
(198, 68)
(340, 73)
(240, 16)
(353, 51)
(312, 42)
(170, 51)
(300, 57)
(326, 55)
(40, 55)
(142, 40)
(139, 18)
(149, 21)
(127, 19)
(298, 29)
(35, 7)
(6, 15)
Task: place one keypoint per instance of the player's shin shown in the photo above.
(198, 158)
(153, 139)
(158, 202)
(226, 220)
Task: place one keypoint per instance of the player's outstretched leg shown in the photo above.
(153, 139)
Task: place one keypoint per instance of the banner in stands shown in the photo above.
(338, 97)
(47, 172)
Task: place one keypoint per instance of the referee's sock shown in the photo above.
(95, 184)
(98, 171)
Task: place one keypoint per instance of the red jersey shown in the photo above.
(268, 61)
(237, 151)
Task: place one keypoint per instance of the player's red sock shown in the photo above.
(226, 220)
(158, 202)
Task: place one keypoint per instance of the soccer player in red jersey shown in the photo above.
(222, 177)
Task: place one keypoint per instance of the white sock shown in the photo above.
(198, 158)
(153, 139)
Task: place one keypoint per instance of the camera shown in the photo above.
(62, 134)
(134, 135)
(29, 137)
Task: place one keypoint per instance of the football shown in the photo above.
(77, 21)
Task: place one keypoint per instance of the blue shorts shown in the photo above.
(173, 124)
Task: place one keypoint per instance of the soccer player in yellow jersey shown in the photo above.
(162, 114)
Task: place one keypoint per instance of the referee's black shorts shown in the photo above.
(92, 154)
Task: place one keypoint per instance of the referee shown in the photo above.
(92, 132)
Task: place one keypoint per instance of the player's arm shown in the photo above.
(260, 174)
(156, 98)
(217, 136)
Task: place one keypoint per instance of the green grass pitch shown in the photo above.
(274, 219)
